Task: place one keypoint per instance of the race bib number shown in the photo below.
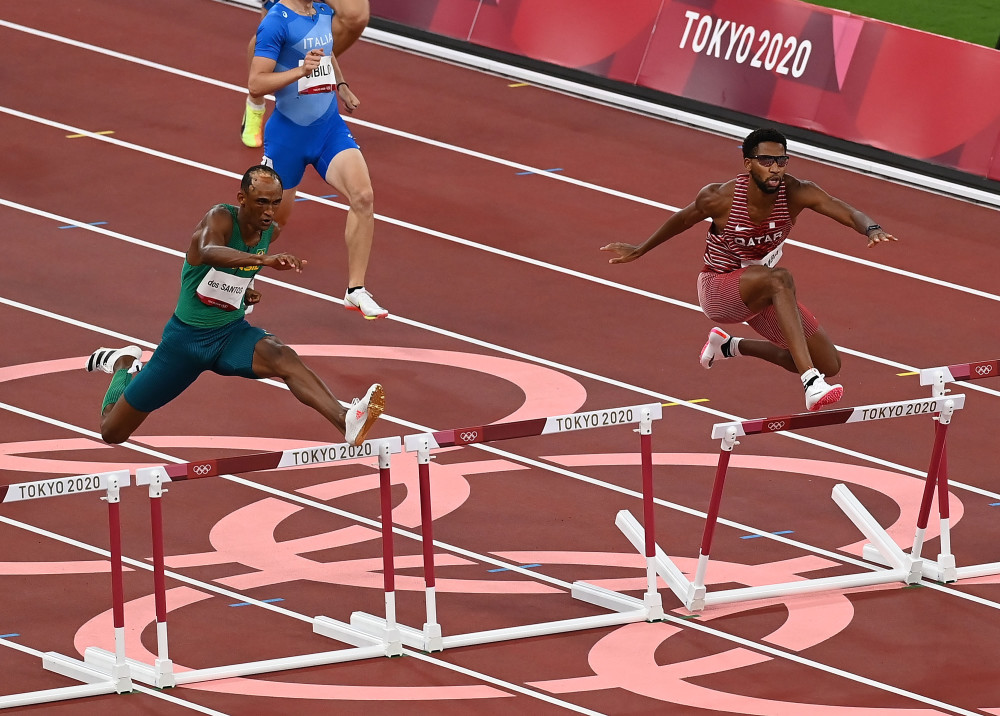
(223, 290)
(771, 260)
(319, 80)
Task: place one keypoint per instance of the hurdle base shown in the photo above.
(601, 597)
(304, 661)
(888, 550)
(388, 639)
(117, 678)
(942, 570)
(696, 597)
(806, 586)
(432, 639)
(903, 567)
(543, 629)
(428, 640)
(977, 570)
(47, 696)
(160, 674)
(691, 596)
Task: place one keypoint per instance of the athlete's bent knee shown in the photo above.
(363, 200)
(113, 435)
(273, 358)
(781, 280)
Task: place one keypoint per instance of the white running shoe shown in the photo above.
(712, 350)
(363, 413)
(819, 393)
(363, 302)
(104, 359)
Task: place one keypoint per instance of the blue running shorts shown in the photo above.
(290, 148)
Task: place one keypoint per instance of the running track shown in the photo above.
(502, 308)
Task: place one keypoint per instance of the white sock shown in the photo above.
(253, 105)
(809, 376)
(734, 346)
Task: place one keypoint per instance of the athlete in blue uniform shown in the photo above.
(294, 61)
(350, 18)
(208, 330)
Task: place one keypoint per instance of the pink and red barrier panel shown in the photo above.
(908, 92)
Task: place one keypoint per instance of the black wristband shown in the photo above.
(343, 83)
(873, 227)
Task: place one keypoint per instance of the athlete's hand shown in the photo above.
(347, 98)
(626, 252)
(877, 237)
(311, 61)
(251, 296)
(285, 262)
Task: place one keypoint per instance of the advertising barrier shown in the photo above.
(914, 94)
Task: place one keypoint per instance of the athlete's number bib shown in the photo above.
(770, 260)
(319, 80)
(223, 290)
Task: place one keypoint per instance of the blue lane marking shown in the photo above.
(8, 636)
(247, 604)
(325, 196)
(507, 569)
(89, 223)
(782, 532)
(994, 504)
(555, 169)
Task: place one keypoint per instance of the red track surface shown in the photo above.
(565, 343)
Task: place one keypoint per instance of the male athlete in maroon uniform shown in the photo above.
(752, 216)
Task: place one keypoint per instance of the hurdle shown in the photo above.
(625, 609)
(116, 677)
(387, 643)
(906, 568)
(944, 568)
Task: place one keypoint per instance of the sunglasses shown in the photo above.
(766, 160)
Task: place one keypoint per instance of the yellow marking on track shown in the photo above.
(912, 372)
(78, 136)
(519, 84)
(685, 402)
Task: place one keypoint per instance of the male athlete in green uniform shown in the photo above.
(208, 330)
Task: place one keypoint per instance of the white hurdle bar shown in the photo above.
(161, 673)
(944, 568)
(116, 678)
(625, 609)
(904, 567)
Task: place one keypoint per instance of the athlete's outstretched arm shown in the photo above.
(811, 196)
(703, 207)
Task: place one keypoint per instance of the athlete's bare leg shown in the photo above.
(273, 359)
(119, 419)
(761, 287)
(348, 174)
(824, 354)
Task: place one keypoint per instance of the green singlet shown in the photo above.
(202, 303)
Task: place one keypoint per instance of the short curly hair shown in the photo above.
(759, 136)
